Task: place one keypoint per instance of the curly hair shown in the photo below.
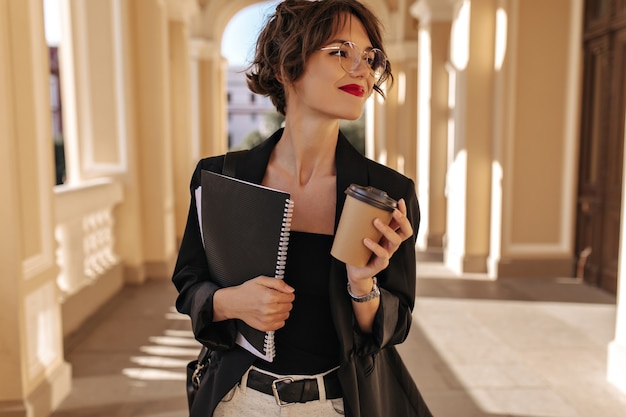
(296, 30)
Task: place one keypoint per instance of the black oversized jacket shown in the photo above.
(375, 383)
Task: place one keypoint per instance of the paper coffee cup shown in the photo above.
(362, 206)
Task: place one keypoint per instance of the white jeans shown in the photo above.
(243, 401)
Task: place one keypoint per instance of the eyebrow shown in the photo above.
(334, 41)
(344, 40)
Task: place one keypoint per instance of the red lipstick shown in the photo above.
(354, 89)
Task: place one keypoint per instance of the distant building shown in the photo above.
(57, 114)
(246, 109)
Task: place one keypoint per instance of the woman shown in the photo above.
(335, 324)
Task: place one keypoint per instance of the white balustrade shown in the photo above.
(85, 232)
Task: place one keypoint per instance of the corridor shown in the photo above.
(478, 348)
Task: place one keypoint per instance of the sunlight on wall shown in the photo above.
(400, 163)
(501, 38)
(496, 218)
(52, 18)
(459, 44)
(451, 87)
(370, 147)
(379, 99)
(401, 88)
(456, 187)
(495, 244)
(382, 157)
(451, 128)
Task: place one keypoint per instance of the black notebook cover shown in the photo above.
(245, 229)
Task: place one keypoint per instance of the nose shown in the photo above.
(361, 68)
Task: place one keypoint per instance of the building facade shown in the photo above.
(246, 110)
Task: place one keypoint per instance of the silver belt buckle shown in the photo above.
(280, 402)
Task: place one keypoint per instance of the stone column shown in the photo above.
(210, 129)
(183, 156)
(470, 153)
(154, 137)
(209, 72)
(434, 18)
(35, 378)
(400, 109)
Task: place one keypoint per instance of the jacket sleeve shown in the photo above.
(397, 286)
(192, 279)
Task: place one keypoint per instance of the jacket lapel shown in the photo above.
(351, 169)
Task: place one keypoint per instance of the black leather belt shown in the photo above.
(287, 391)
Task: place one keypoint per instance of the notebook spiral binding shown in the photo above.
(281, 262)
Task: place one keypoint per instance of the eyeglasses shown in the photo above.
(350, 57)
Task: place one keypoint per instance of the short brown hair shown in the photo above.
(296, 30)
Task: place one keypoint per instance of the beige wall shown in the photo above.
(34, 373)
(538, 136)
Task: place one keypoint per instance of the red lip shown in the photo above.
(354, 89)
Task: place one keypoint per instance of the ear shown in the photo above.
(279, 76)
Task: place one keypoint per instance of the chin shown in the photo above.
(351, 115)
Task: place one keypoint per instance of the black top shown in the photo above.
(308, 343)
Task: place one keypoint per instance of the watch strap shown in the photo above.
(374, 293)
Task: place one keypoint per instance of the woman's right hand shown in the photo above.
(263, 303)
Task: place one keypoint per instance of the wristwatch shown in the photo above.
(375, 293)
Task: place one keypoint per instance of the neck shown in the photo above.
(307, 150)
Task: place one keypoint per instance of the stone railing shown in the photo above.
(85, 233)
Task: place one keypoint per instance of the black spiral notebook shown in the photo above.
(245, 231)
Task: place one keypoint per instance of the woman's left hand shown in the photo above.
(398, 230)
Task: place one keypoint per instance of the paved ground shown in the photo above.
(478, 348)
